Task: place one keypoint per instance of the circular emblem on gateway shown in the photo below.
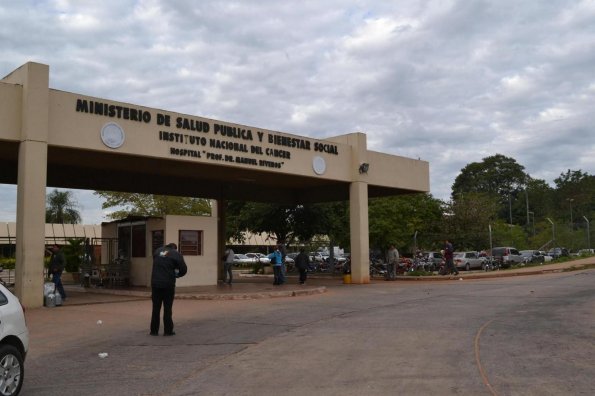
(319, 165)
(112, 135)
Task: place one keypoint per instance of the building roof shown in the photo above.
(58, 232)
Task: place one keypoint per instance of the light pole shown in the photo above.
(553, 230)
(491, 246)
(510, 209)
(533, 215)
(570, 200)
(415, 243)
(527, 203)
(588, 233)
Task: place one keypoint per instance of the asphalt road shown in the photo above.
(530, 335)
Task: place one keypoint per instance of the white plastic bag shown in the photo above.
(48, 288)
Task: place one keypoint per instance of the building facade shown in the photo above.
(61, 139)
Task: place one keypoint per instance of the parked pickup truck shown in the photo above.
(468, 260)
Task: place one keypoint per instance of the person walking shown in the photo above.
(55, 269)
(277, 263)
(168, 264)
(448, 257)
(392, 260)
(302, 262)
(228, 266)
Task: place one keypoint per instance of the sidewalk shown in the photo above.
(247, 286)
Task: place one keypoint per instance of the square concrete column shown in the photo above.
(30, 245)
(358, 226)
(219, 209)
(32, 178)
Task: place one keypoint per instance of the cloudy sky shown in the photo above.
(450, 82)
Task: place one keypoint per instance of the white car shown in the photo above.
(242, 259)
(14, 343)
(259, 257)
(546, 257)
(468, 260)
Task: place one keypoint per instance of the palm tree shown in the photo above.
(61, 208)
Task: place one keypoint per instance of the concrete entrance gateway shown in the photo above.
(60, 139)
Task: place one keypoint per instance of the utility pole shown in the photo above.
(588, 233)
(553, 231)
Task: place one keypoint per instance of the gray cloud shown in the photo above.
(450, 82)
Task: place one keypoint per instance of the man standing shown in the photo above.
(448, 257)
(55, 268)
(302, 262)
(392, 260)
(228, 266)
(168, 264)
(277, 263)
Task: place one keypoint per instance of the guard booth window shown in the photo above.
(132, 240)
(191, 242)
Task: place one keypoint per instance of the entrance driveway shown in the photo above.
(524, 335)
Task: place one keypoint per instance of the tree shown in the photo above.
(284, 222)
(395, 220)
(73, 254)
(61, 208)
(497, 175)
(467, 220)
(152, 205)
(575, 188)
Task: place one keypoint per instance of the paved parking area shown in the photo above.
(517, 335)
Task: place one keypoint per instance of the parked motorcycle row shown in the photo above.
(378, 267)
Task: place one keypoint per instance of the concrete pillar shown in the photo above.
(358, 211)
(32, 176)
(359, 232)
(220, 210)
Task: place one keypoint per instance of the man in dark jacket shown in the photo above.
(55, 268)
(302, 262)
(168, 264)
(448, 257)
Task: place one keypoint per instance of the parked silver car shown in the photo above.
(507, 256)
(532, 256)
(14, 343)
(468, 260)
(259, 257)
(243, 260)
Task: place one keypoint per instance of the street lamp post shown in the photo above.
(533, 215)
(415, 242)
(588, 233)
(491, 245)
(553, 231)
(527, 204)
(570, 200)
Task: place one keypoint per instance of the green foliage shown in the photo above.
(468, 218)
(576, 189)
(152, 205)
(503, 234)
(496, 174)
(73, 253)
(394, 220)
(7, 262)
(61, 208)
(289, 223)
